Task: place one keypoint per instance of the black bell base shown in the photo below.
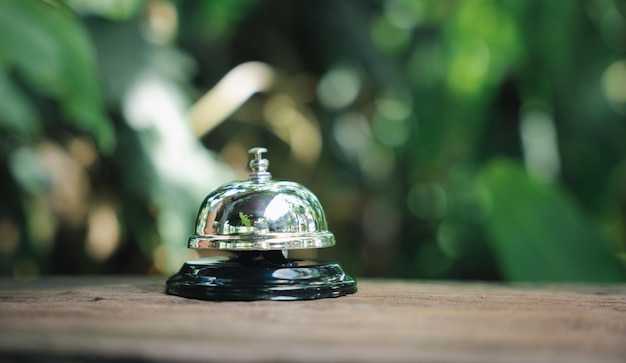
(259, 276)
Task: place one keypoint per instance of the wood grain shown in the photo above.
(95, 319)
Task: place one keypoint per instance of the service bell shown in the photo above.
(258, 220)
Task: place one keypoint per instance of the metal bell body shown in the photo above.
(261, 214)
(266, 215)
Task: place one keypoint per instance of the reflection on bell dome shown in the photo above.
(261, 215)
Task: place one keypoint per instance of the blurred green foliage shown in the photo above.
(530, 228)
(49, 50)
(459, 139)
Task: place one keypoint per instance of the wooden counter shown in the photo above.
(105, 319)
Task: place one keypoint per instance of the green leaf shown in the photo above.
(245, 220)
(538, 233)
(49, 48)
(17, 114)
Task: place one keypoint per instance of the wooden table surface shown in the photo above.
(132, 319)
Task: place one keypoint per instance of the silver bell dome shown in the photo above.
(261, 213)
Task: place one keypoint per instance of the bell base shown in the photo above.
(259, 276)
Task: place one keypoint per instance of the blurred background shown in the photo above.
(446, 139)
